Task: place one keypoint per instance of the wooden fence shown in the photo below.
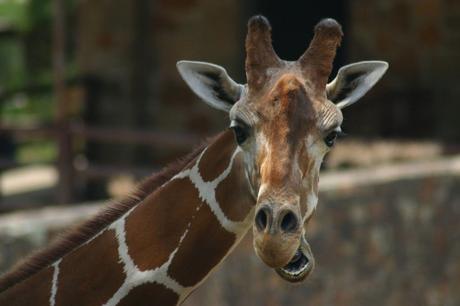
(64, 132)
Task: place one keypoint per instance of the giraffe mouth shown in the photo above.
(300, 266)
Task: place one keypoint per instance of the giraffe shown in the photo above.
(158, 245)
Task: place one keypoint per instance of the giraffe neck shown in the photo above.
(160, 250)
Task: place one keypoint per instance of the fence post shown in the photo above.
(64, 163)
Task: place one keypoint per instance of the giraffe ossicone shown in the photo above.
(157, 246)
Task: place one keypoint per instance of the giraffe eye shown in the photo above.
(241, 132)
(330, 138)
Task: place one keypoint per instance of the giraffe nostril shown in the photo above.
(261, 219)
(289, 222)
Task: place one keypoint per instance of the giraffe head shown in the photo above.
(285, 119)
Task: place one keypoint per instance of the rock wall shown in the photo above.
(381, 236)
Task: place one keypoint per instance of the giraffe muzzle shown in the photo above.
(277, 232)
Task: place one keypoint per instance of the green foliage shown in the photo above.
(13, 14)
(25, 61)
(37, 151)
(28, 50)
(25, 64)
(24, 15)
(39, 12)
(27, 110)
(12, 72)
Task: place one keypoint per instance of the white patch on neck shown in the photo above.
(207, 192)
(54, 284)
(134, 276)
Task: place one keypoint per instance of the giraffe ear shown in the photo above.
(353, 81)
(211, 83)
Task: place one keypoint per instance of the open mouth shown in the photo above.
(300, 265)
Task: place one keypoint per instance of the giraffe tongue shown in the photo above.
(297, 256)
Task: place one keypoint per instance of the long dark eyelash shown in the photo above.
(242, 123)
(241, 130)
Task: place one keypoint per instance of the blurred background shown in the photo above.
(91, 102)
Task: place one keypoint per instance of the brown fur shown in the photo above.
(259, 52)
(291, 116)
(88, 229)
(207, 235)
(41, 284)
(215, 159)
(289, 102)
(150, 294)
(102, 252)
(241, 194)
(149, 229)
(154, 229)
(317, 60)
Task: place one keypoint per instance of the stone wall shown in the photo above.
(381, 236)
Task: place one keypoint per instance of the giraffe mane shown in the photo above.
(83, 232)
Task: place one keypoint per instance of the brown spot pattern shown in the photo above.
(91, 274)
(236, 201)
(206, 243)
(36, 289)
(216, 158)
(154, 228)
(150, 294)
